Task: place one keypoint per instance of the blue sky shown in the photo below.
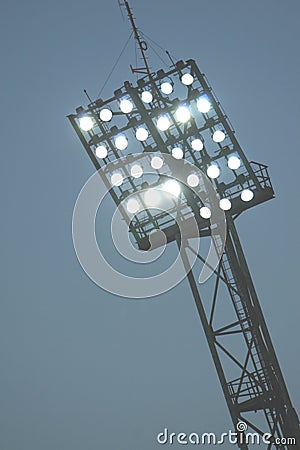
(80, 367)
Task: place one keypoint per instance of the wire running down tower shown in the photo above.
(176, 112)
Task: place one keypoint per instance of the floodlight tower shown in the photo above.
(176, 112)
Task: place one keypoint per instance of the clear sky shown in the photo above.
(80, 368)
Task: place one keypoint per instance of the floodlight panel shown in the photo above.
(203, 122)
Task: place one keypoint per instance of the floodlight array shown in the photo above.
(175, 113)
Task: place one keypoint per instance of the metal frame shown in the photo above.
(258, 384)
(250, 175)
(254, 381)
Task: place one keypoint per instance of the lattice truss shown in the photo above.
(174, 112)
(241, 347)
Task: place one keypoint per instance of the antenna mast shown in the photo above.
(142, 44)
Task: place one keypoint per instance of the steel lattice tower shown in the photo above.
(239, 341)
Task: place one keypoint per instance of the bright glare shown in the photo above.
(121, 142)
(133, 205)
(234, 162)
(225, 204)
(213, 171)
(173, 187)
(141, 134)
(166, 88)
(156, 162)
(152, 197)
(177, 153)
(192, 180)
(163, 123)
(219, 136)
(136, 171)
(126, 106)
(203, 105)
(197, 145)
(86, 123)
(105, 115)
(183, 114)
(101, 151)
(205, 212)
(187, 79)
(247, 195)
(116, 179)
(147, 97)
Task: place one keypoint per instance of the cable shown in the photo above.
(150, 39)
(157, 54)
(155, 43)
(116, 63)
(124, 48)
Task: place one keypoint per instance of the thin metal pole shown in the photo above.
(138, 38)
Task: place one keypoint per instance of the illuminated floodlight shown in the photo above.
(136, 171)
(86, 123)
(187, 79)
(247, 195)
(147, 97)
(121, 142)
(116, 179)
(126, 106)
(213, 171)
(173, 187)
(152, 197)
(105, 115)
(203, 105)
(141, 134)
(234, 162)
(205, 212)
(219, 136)
(192, 180)
(101, 151)
(166, 88)
(197, 144)
(225, 204)
(177, 153)
(183, 114)
(133, 205)
(163, 123)
(156, 162)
